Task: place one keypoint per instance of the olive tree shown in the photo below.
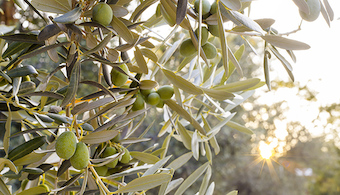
(81, 143)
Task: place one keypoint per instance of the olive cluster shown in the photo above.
(67, 148)
(109, 167)
(187, 48)
(152, 97)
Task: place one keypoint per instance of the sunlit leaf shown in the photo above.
(186, 138)
(234, 192)
(218, 94)
(22, 71)
(329, 10)
(238, 85)
(140, 9)
(99, 137)
(181, 83)
(141, 61)
(145, 157)
(239, 127)
(145, 183)
(232, 4)
(148, 84)
(70, 16)
(122, 30)
(223, 41)
(285, 43)
(195, 145)
(205, 181)
(191, 179)
(29, 159)
(302, 5)
(177, 108)
(180, 161)
(54, 6)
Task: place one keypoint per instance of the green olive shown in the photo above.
(314, 10)
(139, 103)
(126, 156)
(146, 92)
(109, 151)
(205, 6)
(213, 8)
(187, 48)
(101, 171)
(118, 78)
(213, 29)
(45, 186)
(165, 92)
(209, 50)
(81, 157)
(102, 13)
(153, 99)
(160, 104)
(204, 33)
(65, 145)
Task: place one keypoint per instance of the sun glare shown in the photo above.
(266, 151)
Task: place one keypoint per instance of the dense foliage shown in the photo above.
(79, 141)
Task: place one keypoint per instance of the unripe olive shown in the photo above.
(213, 29)
(209, 50)
(146, 92)
(153, 99)
(126, 156)
(187, 48)
(314, 10)
(102, 13)
(118, 78)
(160, 104)
(204, 33)
(65, 145)
(213, 8)
(81, 157)
(101, 171)
(138, 104)
(205, 6)
(109, 151)
(165, 92)
(45, 186)
(117, 138)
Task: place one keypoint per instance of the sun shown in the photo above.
(266, 150)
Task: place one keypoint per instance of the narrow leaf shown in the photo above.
(145, 183)
(42, 49)
(148, 84)
(218, 94)
(181, 11)
(144, 157)
(223, 41)
(195, 145)
(232, 4)
(239, 127)
(122, 30)
(177, 108)
(100, 45)
(191, 179)
(8, 127)
(329, 10)
(26, 148)
(238, 85)
(54, 6)
(141, 61)
(285, 43)
(3, 188)
(185, 137)
(180, 161)
(181, 83)
(73, 86)
(70, 16)
(99, 137)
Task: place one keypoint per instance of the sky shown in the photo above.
(317, 68)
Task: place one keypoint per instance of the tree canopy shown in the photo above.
(90, 134)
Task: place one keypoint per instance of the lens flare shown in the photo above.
(266, 151)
